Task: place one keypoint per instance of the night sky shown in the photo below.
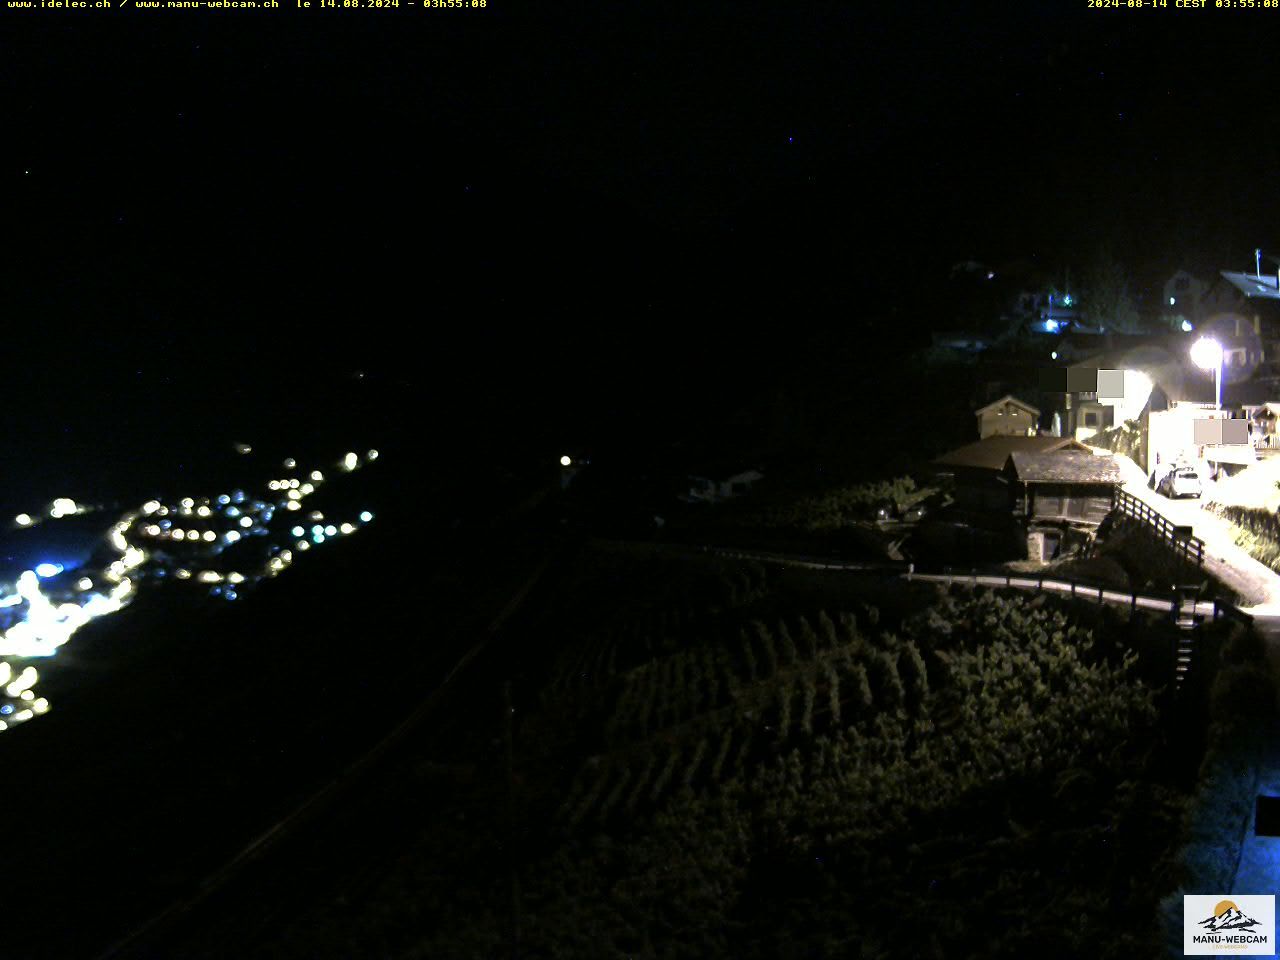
(562, 219)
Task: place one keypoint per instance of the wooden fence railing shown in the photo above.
(1172, 601)
(1189, 547)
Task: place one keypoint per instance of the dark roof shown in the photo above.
(1008, 398)
(1253, 285)
(1164, 359)
(1252, 392)
(992, 453)
(1063, 466)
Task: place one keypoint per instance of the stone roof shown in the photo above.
(1063, 466)
(992, 453)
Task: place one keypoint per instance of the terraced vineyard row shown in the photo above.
(694, 615)
(698, 718)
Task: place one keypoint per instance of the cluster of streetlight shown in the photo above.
(158, 540)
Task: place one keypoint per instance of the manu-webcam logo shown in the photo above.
(1236, 925)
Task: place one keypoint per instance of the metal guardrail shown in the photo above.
(1189, 547)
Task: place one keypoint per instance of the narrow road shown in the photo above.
(1257, 585)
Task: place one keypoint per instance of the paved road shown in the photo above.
(1257, 585)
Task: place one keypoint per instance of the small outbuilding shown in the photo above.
(1007, 417)
(1061, 493)
(976, 468)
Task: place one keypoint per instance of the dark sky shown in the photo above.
(572, 207)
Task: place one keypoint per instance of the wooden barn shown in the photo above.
(977, 469)
(1056, 494)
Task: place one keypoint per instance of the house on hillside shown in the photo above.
(1180, 303)
(1060, 493)
(960, 344)
(1147, 376)
(1262, 419)
(1008, 416)
(715, 486)
(1242, 311)
(1195, 433)
(975, 469)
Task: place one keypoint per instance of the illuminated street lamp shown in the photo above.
(1206, 353)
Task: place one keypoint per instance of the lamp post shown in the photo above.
(1206, 353)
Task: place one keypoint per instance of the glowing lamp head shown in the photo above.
(46, 570)
(22, 520)
(566, 460)
(1206, 353)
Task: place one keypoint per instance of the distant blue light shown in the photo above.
(1051, 326)
(224, 499)
(230, 594)
(366, 516)
(7, 709)
(318, 538)
(1186, 326)
(216, 591)
(1066, 300)
(232, 512)
(46, 570)
(238, 496)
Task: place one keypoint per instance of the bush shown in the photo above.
(1242, 702)
(1258, 531)
(1125, 439)
(842, 508)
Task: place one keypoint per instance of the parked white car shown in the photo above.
(1181, 482)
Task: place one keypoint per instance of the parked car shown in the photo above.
(1182, 482)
